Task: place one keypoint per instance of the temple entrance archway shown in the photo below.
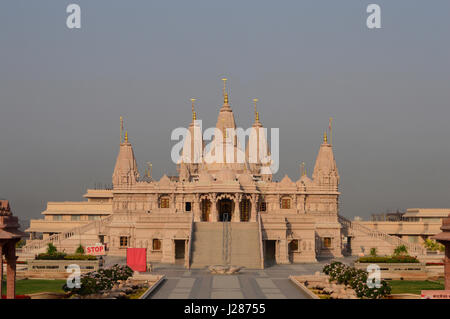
(269, 252)
(180, 247)
(206, 210)
(225, 208)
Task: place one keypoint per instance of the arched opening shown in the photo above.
(225, 208)
(293, 249)
(206, 209)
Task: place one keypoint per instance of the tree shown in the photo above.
(51, 249)
(80, 250)
(401, 251)
(433, 245)
(373, 252)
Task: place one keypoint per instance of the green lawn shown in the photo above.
(414, 286)
(30, 286)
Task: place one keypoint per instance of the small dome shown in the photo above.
(245, 179)
(304, 181)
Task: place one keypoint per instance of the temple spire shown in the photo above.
(126, 170)
(325, 169)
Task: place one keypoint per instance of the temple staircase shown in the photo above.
(364, 238)
(67, 240)
(226, 243)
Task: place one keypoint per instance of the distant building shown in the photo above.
(414, 226)
(62, 216)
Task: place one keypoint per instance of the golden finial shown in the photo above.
(126, 136)
(256, 112)
(225, 94)
(194, 115)
(325, 140)
(303, 169)
(121, 129)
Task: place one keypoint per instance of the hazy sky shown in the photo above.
(62, 91)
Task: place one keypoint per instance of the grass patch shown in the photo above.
(31, 286)
(414, 286)
(138, 293)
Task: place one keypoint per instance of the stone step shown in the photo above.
(244, 246)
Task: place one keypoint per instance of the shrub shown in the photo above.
(356, 279)
(54, 256)
(51, 249)
(101, 280)
(64, 256)
(401, 251)
(79, 250)
(433, 245)
(80, 257)
(373, 252)
(20, 243)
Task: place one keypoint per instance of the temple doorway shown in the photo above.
(179, 250)
(225, 210)
(206, 209)
(269, 252)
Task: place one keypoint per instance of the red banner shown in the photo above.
(137, 259)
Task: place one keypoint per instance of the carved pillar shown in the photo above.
(282, 253)
(174, 202)
(196, 208)
(186, 253)
(253, 208)
(11, 271)
(236, 216)
(214, 214)
(168, 251)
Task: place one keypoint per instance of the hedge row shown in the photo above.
(388, 259)
(64, 256)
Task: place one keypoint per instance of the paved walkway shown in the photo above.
(269, 283)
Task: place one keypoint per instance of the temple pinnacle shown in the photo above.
(194, 115)
(225, 94)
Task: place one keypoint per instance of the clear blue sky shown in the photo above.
(62, 91)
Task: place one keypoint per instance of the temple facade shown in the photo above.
(297, 219)
(215, 211)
